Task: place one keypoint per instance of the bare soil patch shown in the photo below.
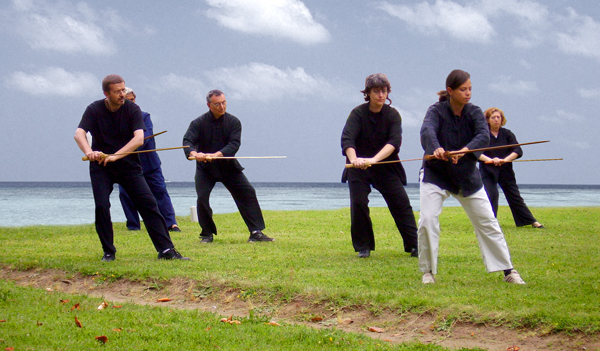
(185, 294)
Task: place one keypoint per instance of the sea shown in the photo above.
(72, 203)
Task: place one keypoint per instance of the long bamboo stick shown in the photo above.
(540, 159)
(237, 157)
(103, 155)
(153, 135)
(451, 153)
(350, 165)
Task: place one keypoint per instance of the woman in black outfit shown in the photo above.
(496, 168)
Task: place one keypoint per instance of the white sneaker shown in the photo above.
(513, 278)
(428, 278)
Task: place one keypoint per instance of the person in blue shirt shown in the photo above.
(454, 124)
(154, 177)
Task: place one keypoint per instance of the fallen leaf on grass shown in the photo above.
(38, 323)
(316, 319)
(273, 323)
(103, 305)
(2, 321)
(345, 321)
(102, 338)
(117, 306)
(64, 301)
(513, 348)
(10, 349)
(49, 289)
(78, 323)
(118, 330)
(75, 307)
(164, 299)
(376, 330)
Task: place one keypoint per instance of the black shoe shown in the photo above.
(206, 239)
(364, 253)
(541, 226)
(134, 229)
(257, 235)
(108, 257)
(174, 228)
(171, 254)
(414, 252)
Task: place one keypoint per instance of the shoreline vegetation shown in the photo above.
(308, 276)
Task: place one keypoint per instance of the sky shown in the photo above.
(292, 71)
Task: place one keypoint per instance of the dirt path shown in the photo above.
(410, 327)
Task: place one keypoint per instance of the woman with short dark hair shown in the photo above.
(373, 133)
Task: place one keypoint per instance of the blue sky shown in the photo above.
(292, 71)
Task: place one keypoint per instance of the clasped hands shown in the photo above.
(444, 155)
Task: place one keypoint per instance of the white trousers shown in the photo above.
(492, 243)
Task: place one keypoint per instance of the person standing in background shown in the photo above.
(154, 177)
(500, 170)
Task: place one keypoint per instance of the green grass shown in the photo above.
(313, 259)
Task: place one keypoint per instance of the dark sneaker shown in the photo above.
(414, 252)
(171, 254)
(257, 235)
(364, 253)
(174, 228)
(108, 257)
(206, 239)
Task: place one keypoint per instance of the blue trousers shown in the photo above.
(132, 180)
(156, 183)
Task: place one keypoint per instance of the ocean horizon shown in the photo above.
(71, 203)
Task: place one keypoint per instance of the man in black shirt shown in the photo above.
(217, 134)
(117, 128)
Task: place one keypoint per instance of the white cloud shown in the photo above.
(262, 82)
(55, 81)
(65, 27)
(461, 22)
(508, 86)
(582, 36)
(195, 88)
(589, 93)
(276, 18)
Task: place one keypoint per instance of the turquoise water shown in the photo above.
(57, 203)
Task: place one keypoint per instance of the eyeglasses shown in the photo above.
(119, 92)
(219, 104)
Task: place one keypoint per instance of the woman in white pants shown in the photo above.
(454, 124)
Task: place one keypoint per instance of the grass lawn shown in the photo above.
(313, 258)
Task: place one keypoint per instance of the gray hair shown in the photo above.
(212, 93)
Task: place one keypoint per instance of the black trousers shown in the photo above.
(132, 180)
(241, 190)
(391, 188)
(507, 181)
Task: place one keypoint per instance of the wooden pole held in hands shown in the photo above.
(237, 157)
(541, 159)
(451, 153)
(85, 158)
(350, 165)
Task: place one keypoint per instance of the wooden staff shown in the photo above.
(153, 135)
(451, 153)
(103, 155)
(350, 165)
(541, 159)
(236, 157)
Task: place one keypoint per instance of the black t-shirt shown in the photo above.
(112, 130)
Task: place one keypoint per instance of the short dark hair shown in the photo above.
(111, 79)
(454, 80)
(214, 92)
(377, 80)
